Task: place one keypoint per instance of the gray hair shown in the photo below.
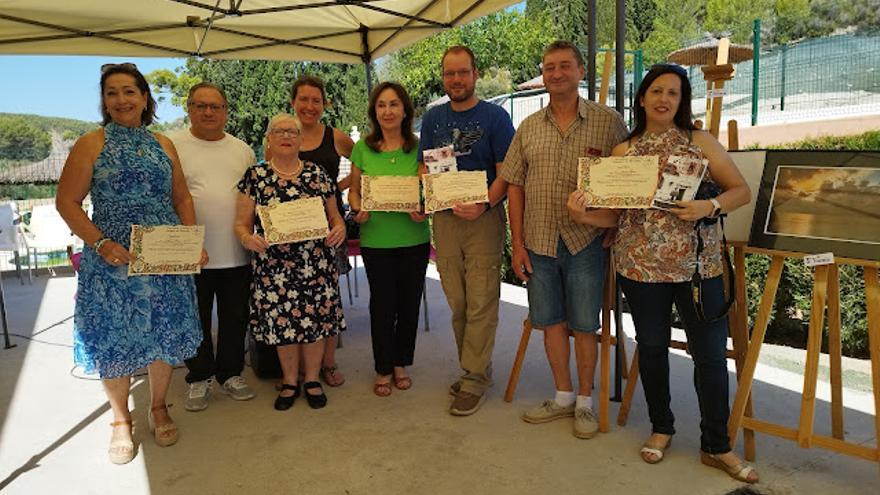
(283, 116)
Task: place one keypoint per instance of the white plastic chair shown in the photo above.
(11, 237)
(47, 232)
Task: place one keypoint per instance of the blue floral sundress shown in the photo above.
(123, 323)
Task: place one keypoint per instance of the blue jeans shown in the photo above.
(568, 288)
(651, 308)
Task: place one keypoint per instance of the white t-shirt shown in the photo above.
(212, 170)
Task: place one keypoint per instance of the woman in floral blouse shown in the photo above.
(294, 295)
(656, 253)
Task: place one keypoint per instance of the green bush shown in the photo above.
(19, 140)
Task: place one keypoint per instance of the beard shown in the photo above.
(462, 94)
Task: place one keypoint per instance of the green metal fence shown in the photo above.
(823, 77)
(813, 79)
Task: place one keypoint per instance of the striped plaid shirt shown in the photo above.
(543, 159)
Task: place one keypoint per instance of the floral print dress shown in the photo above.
(654, 245)
(123, 323)
(294, 293)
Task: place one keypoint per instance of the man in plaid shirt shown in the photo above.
(563, 262)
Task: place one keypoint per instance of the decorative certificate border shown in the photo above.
(274, 236)
(369, 204)
(433, 205)
(139, 267)
(597, 201)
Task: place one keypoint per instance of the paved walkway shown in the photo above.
(55, 433)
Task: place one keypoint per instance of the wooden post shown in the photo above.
(606, 79)
(732, 135)
(748, 372)
(518, 360)
(739, 332)
(835, 352)
(814, 348)
(872, 296)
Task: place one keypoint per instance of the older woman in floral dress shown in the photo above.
(295, 297)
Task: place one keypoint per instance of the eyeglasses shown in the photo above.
(284, 132)
(201, 107)
(673, 67)
(449, 74)
(125, 65)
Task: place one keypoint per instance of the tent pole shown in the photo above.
(7, 344)
(620, 54)
(591, 50)
(366, 57)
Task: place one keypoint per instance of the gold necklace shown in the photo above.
(297, 168)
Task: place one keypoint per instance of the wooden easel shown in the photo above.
(826, 294)
(715, 75)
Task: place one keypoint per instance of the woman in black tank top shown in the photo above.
(307, 97)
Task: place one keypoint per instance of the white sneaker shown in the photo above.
(237, 388)
(197, 396)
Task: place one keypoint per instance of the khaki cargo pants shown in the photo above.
(469, 261)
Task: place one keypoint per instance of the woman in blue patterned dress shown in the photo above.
(123, 323)
(295, 303)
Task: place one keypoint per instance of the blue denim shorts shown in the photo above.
(568, 288)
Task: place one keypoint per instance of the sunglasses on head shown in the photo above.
(124, 65)
(681, 71)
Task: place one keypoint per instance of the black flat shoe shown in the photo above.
(284, 403)
(316, 401)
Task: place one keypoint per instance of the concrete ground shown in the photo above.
(55, 425)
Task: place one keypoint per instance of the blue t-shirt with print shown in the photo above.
(480, 135)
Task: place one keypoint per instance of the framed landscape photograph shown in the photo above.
(818, 202)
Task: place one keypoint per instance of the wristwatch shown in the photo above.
(716, 211)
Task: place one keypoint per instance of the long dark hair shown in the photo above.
(683, 118)
(375, 136)
(149, 114)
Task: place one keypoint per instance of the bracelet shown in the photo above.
(100, 242)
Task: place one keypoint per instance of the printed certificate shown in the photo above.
(166, 249)
(294, 221)
(447, 189)
(619, 181)
(390, 193)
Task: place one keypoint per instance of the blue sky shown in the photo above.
(57, 86)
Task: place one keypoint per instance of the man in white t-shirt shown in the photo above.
(213, 163)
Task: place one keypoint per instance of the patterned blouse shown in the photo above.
(655, 245)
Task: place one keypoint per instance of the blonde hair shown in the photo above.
(283, 116)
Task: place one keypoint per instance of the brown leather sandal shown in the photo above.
(740, 472)
(165, 435)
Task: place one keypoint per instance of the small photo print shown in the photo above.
(681, 183)
(439, 160)
(830, 203)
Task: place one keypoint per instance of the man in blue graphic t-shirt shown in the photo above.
(470, 238)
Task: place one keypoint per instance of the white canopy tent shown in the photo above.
(345, 31)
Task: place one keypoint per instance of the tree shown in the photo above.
(258, 89)
(676, 24)
(494, 82)
(508, 40)
(736, 17)
(19, 140)
(792, 18)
